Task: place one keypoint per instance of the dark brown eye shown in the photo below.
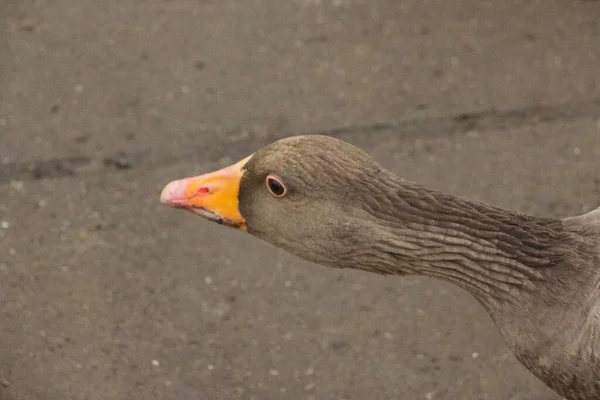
(275, 186)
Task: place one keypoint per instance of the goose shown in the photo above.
(330, 203)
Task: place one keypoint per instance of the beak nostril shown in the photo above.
(202, 190)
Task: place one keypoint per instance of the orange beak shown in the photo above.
(213, 196)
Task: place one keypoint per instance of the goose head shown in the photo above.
(310, 195)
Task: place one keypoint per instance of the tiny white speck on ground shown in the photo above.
(210, 367)
(430, 395)
(310, 371)
(156, 363)
(388, 336)
(475, 355)
(309, 387)
(577, 151)
(4, 225)
(274, 372)
(208, 280)
(17, 186)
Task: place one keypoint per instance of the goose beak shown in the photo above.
(213, 196)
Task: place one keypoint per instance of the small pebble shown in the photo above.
(120, 161)
(210, 367)
(288, 283)
(274, 372)
(78, 88)
(310, 371)
(4, 225)
(475, 355)
(309, 387)
(577, 151)
(388, 336)
(156, 363)
(208, 280)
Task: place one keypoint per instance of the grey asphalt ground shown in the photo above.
(106, 294)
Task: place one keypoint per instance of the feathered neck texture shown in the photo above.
(493, 253)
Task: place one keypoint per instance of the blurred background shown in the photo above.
(106, 294)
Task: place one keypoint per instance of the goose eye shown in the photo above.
(275, 186)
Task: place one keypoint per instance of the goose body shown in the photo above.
(329, 202)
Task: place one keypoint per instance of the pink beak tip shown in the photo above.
(173, 191)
